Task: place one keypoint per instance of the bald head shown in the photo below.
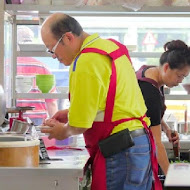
(63, 36)
(58, 23)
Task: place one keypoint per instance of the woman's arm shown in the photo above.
(161, 152)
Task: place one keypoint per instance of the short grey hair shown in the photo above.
(66, 24)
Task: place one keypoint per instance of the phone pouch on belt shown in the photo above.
(116, 143)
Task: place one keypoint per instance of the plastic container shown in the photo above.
(15, 151)
(71, 141)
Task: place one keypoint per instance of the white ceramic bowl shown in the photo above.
(24, 83)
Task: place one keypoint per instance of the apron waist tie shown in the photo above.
(157, 183)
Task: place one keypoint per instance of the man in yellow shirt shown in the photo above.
(106, 105)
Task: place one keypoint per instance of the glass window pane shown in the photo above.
(146, 34)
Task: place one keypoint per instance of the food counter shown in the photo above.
(50, 175)
(178, 177)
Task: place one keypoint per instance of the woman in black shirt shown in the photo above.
(174, 67)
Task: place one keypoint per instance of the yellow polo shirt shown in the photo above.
(88, 84)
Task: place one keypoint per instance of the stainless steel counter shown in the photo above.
(51, 175)
(178, 177)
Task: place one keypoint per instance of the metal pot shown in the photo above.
(20, 126)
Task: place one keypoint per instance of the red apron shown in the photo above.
(101, 130)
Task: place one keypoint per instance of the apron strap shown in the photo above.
(140, 77)
(122, 50)
(157, 184)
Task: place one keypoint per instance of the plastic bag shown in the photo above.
(85, 183)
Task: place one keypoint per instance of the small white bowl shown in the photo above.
(24, 83)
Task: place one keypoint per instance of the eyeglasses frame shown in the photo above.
(55, 46)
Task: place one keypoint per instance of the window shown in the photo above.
(146, 35)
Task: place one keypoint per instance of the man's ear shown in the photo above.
(69, 36)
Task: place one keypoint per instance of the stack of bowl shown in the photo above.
(45, 82)
(24, 83)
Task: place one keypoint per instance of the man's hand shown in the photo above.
(60, 131)
(61, 116)
(57, 129)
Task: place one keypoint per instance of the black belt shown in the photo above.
(138, 132)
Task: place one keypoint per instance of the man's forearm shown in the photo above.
(72, 130)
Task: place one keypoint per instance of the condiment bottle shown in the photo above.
(175, 146)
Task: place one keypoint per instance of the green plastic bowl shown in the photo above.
(45, 82)
(45, 89)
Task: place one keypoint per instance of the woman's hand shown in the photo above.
(173, 138)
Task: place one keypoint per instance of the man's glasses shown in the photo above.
(55, 47)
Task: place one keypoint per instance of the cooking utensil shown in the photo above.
(175, 148)
(20, 126)
(19, 110)
(186, 124)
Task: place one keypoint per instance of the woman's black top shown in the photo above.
(154, 100)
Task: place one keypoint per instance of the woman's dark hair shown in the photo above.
(66, 24)
(177, 54)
